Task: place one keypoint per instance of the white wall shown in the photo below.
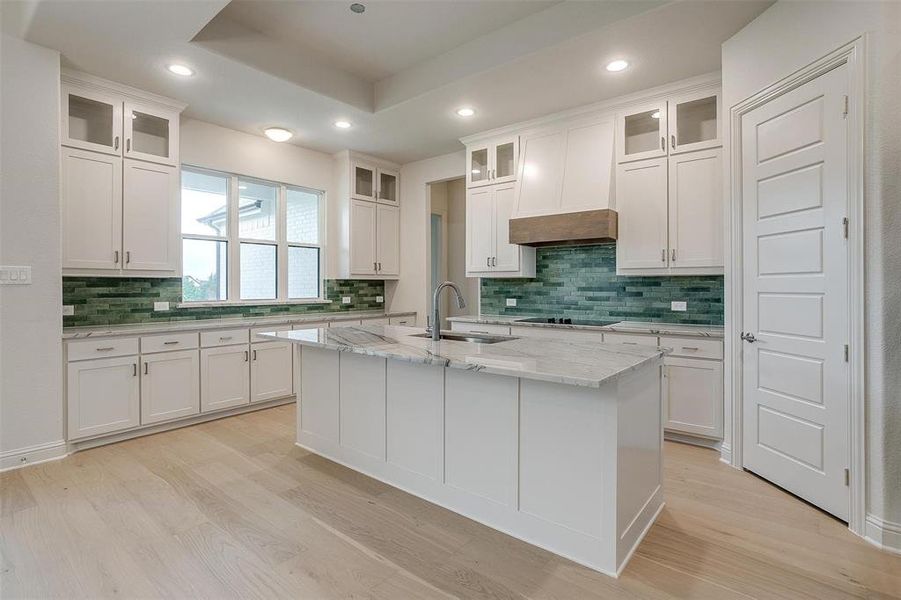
(31, 401)
(411, 291)
(783, 39)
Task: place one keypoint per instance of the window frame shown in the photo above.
(234, 240)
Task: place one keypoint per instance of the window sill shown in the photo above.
(210, 304)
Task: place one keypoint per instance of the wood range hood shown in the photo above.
(565, 229)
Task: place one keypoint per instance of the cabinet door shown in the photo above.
(695, 209)
(504, 159)
(479, 230)
(91, 120)
(151, 134)
(641, 204)
(102, 396)
(170, 386)
(91, 210)
(506, 255)
(224, 377)
(389, 186)
(541, 173)
(694, 122)
(150, 204)
(363, 249)
(271, 372)
(478, 165)
(641, 132)
(388, 240)
(588, 167)
(693, 396)
(363, 183)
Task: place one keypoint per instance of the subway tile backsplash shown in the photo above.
(581, 282)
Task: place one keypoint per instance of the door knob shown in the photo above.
(748, 337)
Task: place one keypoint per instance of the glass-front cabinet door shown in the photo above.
(388, 184)
(363, 181)
(91, 120)
(504, 154)
(694, 122)
(150, 134)
(478, 169)
(641, 132)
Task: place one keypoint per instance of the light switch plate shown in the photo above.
(11, 275)
(679, 306)
(345, 299)
(379, 298)
(68, 310)
(160, 306)
(511, 301)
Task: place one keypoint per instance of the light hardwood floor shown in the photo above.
(232, 508)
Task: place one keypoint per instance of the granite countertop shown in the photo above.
(580, 363)
(198, 324)
(646, 327)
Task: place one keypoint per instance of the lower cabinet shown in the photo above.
(103, 396)
(693, 396)
(271, 372)
(224, 377)
(170, 386)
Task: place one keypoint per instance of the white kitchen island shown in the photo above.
(556, 443)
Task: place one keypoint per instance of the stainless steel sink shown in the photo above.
(469, 337)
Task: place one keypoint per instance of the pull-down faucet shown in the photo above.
(436, 318)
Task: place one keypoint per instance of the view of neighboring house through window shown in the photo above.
(271, 232)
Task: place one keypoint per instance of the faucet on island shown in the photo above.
(435, 325)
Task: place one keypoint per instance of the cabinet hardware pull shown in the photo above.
(663, 142)
(106, 349)
(630, 343)
(375, 266)
(246, 356)
(127, 256)
(116, 143)
(134, 369)
(663, 255)
(128, 145)
(146, 368)
(673, 254)
(254, 354)
(117, 257)
(693, 348)
(487, 261)
(380, 266)
(224, 337)
(169, 343)
(672, 141)
(493, 261)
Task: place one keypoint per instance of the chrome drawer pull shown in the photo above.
(170, 343)
(690, 348)
(225, 337)
(107, 349)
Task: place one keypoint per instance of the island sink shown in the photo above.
(468, 337)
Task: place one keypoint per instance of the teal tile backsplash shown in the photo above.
(114, 301)
(581, 282)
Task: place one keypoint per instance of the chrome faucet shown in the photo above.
(435, 326)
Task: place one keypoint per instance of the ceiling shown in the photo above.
(397, 72)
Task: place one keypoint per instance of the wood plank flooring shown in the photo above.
(232, 509)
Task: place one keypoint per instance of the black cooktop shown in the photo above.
(568, 321)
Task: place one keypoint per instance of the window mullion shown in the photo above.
(234, 246)
(281, 236)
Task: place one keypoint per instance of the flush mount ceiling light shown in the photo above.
(466, 111)
(357, 8)
(655, 114)
(342, 124)
(181, 70)
(278, 134)
(617, 65)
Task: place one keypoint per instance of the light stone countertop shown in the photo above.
(201, 324)
(580, 363)
(646, 327)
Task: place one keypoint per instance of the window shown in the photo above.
(245, 239)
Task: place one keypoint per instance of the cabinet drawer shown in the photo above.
(376, 321)
(480, 328)
(630, 339)
(169, 341)
(693, 347)
(225, 337)
(409, 321)
(263, 329)
(308, 325)
(561, 334)
(102, 348)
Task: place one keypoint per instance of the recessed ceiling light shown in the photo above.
(278, 134)
(655, 114)
(180, 70)
(342, 124)
(466, 111)
(617, 65)
(357, 8)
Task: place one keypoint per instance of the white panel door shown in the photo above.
(150, 206)
(641, 201)
(479, 230)
(388, 239)
(588, 170)
(224, 377)
(506, 255)
(362, 403)
(363, 234)
(541, 173)
(170, 386)
(795, 376)
(271, 371)
(693, 396)
(103, 395)
(92, 210)
(695, 209)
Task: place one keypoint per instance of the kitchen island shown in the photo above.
(555, 443)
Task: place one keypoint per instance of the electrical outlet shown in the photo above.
(160, 306)
(511, 301)
(15, 275)
(679, 306)
(68, 310)
(345, 299)
(379, 299)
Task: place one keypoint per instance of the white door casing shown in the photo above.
(796, 378)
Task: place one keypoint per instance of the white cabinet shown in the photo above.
(389, 187)
(91, 119)
(694, 121)
(387, 240)
(374, 239)
(641, 201)
(224, 377)
(151, 133)
(491, 162)
(271, 371)
(641, 132)
(374, 183)
(693, 396)
(695, 210)
(170, 386)
(150, 205)
(102, 396)
(541, 169)
(488, 250)
(408, 321)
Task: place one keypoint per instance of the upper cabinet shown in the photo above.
(374, 183)
(641, 132)
(694, 122)
(489, 252)
(151, 133)
(493, 161)
(91, 120)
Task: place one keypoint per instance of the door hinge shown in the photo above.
(847, 352)
(845, 110)
(847, 477)
(845, 224)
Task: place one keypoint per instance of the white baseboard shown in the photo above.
(726, 453)
(684, 438)
(33, 455)
(883, 534)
